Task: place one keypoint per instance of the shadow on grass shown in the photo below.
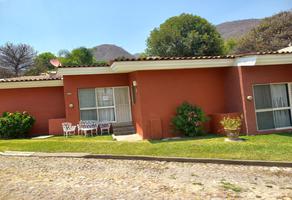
(184, 138)
(284, 134)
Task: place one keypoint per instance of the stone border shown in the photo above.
(149, 158)
(194, 160)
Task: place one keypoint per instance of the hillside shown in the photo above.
(107, 52)
(238, 28)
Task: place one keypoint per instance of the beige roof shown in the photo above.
(287, 49)
(45, 77)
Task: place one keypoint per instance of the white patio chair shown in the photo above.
(104, 126)
(85, 126)
(68, 129)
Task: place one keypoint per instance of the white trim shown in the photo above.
(245, 61)
(84, 70)
(31, 84)
(114, 102)
(273, 109)
(275, 129)
(277, 59)
(130, 66)
(130, 103)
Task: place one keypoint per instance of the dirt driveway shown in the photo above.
(74, 178)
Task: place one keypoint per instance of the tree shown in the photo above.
(185, 35)
(79, 56)
(41, 64)
(16, 58)
(230, 45)
(5, 73)
(272, 34)
(63, 53)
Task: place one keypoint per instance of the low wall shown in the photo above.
(55, 126)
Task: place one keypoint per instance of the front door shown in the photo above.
(122, 104)
(109, 104)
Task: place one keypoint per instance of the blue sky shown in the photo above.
(51, 25)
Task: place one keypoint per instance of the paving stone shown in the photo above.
(79, 178)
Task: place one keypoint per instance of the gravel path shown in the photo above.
(74, 178)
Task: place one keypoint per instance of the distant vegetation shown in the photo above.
(183, 35)
(273, 33)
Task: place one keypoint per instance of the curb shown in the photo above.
(149, 158)
(194, 160)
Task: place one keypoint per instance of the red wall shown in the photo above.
(261, 75)
(160, 92)
(73, 83)
(42, 103)
(136, 107)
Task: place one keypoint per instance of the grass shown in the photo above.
(276, 147)
(229, 186)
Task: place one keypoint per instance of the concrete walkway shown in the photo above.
(128, 138)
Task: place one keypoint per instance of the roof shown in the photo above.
(173, 58)
(46, 77)
(158, 58)
(78, 66)
(287, 49)
(106, 67)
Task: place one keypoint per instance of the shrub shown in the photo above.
(230, 123)
(189, 119)
(15, 125)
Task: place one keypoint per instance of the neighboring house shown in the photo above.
(286, 49)
(147, 91)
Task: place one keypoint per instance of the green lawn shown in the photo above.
(263, 147)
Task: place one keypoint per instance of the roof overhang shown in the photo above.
(258, 60)
(130, 66)
(31, 84)
(139, 65)
(84, 70)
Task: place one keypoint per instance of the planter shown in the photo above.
(215, 126)
(232, 134)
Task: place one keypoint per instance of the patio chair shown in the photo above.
(84, 126)
(68, 129)
(105, 126)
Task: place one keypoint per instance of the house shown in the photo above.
(146, 92)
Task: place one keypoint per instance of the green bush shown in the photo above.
(15, 125)
(189, 119)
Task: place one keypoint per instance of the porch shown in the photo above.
(109, 104)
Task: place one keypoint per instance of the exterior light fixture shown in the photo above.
(249, 98)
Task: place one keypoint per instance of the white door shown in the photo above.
(105, 104)
(122, 104)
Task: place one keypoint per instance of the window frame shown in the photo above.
(104, 107)
(289, 88)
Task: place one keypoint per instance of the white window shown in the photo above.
(105, 104)
(273, 106)
(87, 104)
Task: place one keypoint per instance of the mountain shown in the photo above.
(238, 28)
(106, 52)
